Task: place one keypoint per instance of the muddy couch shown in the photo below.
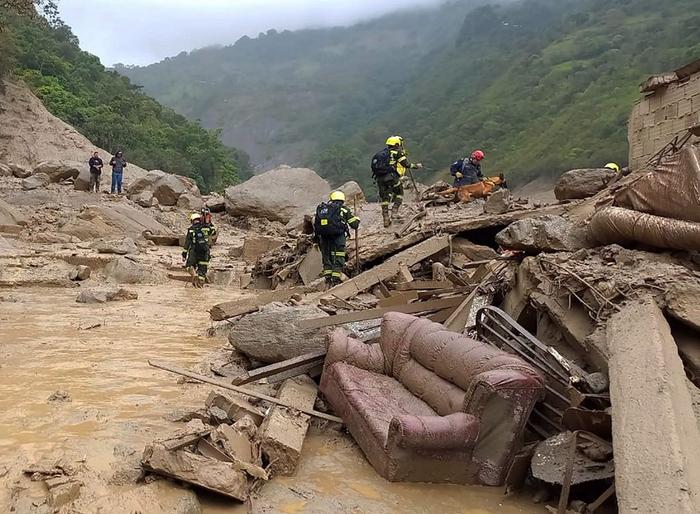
(429, 405)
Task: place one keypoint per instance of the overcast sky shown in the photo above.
(146, 31)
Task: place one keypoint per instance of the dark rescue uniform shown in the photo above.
(197, 250)
(389, 185)
(333, 247)
(470, 170)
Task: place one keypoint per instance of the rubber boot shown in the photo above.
(395, 209)
(385, 215)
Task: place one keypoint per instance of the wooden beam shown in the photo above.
(388, 269)
(226, 310)
(240, 390)
(411, 308)
(418, 285)
(273, 369)
(398, 299)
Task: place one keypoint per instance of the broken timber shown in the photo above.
(388, 269)
(240, 390)
(411, 308)
(226, 310)
(279, 367)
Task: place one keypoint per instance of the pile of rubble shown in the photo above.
(605, 326)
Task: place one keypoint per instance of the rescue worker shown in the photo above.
(612, 166)
(388, 168)
(467, 171)
(332, 225)
(196, 251)
(208, 226)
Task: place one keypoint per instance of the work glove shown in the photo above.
(459, 175)
(419, 166)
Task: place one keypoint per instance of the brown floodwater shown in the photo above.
(118, 403)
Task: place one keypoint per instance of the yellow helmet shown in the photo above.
(337, 195)
(195, 216)
(613, 166)
(394, 141)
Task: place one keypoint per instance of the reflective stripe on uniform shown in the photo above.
(353, 219)
(338, 254)
(336, 274)
(327, 271)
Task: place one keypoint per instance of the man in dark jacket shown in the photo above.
(118, 163)
(331, 229)
(95, 172)
(468, 170)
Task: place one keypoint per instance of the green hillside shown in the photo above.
(540, 85)
(107, 108)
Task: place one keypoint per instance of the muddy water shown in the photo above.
(117, 403)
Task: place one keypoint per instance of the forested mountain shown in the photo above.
(540, 85)
(106, 107)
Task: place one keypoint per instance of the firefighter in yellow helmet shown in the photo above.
(331, 231)
(613, 166)
(388, 167)
(196, 251)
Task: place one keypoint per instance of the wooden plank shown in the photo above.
(240, 390)
(398, 299)
(383, 289)
(388, 269)
(313, 369)
(431, 293)
(418, 285)
(452, 277)
(273, 369)
(441, 316)
(311, 266)
(349, 317)
(459, 318)
(225, 310)
(404, 274)
(404, 228)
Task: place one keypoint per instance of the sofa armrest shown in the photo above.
(454, 431)
(341, 347)
(511, 384)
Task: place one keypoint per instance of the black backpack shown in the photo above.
(200, 241)
(380, 163)
(328, 220)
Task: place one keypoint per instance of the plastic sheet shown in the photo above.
(671, 190)
(617, 225)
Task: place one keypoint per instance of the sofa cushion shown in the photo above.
(442, 396)
(377, 398)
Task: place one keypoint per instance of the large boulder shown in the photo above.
(582, 183)
(190, 202)
(353, 193)
(118, 246)
(277, 195)
(216, 203)
(145, 199)
(82, 181)
(498, 203)
(271, 334)
(113, 219)
(124, 270)
(58, 171)
(169, 188)
(9, 215)
(542, 234)
(36, 181)
(145, 183)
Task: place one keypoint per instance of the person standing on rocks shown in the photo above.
(95, 172)
(196, 251)
(331, 231)
(467, 171)
(208, 226)
(118, 163)
(388, 168)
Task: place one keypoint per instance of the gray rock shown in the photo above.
(118, 246)
(20, 171)
(582, 183)
(169, 188)
(106, 295)
(190, 202)
(80, 273)
(498, 202)
(58, 171)
(145, 183)
(277, 195)
(271, 334)
(542, 234)
(82, 181)
(124, 270)
(36, 181)
(5, 170)
(145, 199)
(472, 251)
(353, 193)
(9, 215)
(216, 203)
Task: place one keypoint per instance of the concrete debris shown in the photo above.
(106, 295)
(582, 183)
(234, 408)
(550, 460)
(283, 432)
(118, 246)
(655, 435)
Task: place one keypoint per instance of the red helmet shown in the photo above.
(478, 155)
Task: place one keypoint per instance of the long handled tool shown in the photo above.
(357, 240)
(240, 390)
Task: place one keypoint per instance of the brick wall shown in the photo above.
(660, 116)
